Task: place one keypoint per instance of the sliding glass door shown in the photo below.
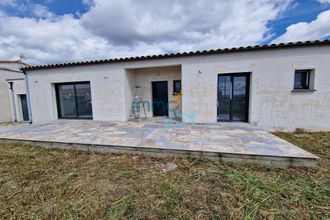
(233, 97)
(74, 100)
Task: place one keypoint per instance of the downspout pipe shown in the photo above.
(27, 91)
(12, 97)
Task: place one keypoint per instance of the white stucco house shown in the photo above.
(278, 86)
(13, 101)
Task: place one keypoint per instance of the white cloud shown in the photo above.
(314, 30)
(88, 2)
(204, 23)
(7, 2)
(44, 41)
(41, 11)
(119, 28)
(324, 1)
(32, 9)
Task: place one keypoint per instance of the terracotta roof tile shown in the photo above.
(184, 54)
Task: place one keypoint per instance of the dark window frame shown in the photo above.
(247, 90)
(174, 89)
(57, 85)
(302, 85)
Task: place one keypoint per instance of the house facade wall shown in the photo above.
(6, 102)
(5, 108)
(19, 89)
(272, 106)
(145, 77)
(130, 82)
(107, 91)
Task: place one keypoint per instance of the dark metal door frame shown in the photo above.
(247, 95)
(153, 83)
(25, 111)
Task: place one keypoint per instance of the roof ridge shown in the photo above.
(14, 61)
(182, 54)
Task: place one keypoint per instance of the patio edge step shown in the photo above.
(273, 161)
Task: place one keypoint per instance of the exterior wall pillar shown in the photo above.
(12, 101)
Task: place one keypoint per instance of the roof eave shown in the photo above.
(184, 54)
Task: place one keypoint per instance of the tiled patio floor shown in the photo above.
(218, 139)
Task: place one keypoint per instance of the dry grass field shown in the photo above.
(41, 183)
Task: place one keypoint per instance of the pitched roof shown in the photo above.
(185, 54)
(13, 62)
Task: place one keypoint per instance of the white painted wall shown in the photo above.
(272, 104)
(19, 89)
(130, 83)
(107, 89)
(5, 110)
(145, 77)
(6, 104)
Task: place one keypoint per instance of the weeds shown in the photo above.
(41, 183)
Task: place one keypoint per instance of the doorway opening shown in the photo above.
(233, 97)
(74, 100)
(160, 98)
(24, 105)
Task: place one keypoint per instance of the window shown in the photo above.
(176, 87)
(302, 79)
(74, 100)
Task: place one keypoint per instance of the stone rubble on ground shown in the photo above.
(170, 167)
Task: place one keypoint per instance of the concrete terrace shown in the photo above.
(227, 141)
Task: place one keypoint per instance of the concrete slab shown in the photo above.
(228, 141)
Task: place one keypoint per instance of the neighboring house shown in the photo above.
(13, 101)
(283, 86)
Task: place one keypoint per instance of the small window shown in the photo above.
(302, 79)
(176, 87)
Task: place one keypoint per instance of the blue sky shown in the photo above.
(59, 7)
(302, 11)
(48, 31)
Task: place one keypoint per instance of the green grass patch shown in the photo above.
(38, 183)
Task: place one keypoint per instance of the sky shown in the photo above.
(56, 31)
